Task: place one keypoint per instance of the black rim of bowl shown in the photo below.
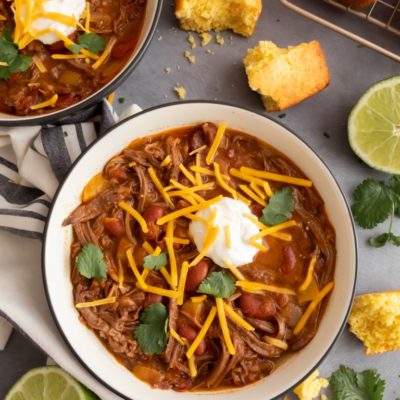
(97, 96)
(82, 362)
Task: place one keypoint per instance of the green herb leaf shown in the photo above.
(218, 284)
(10, 55)
(151, 334)
(373, 203)
(155, 262)
(394, 186)
(379, 241)
(346, 384)
(89, 41)
(91, 263)
(279, 208)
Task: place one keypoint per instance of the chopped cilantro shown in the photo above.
(155, 262)
(279, 208)
(65, 133)
(91, 263)
(9, 54)
(218, 284)
(346, 384)
(282, 115)
(151, 334)
(89, 41)
(326, 134)
(121, 100)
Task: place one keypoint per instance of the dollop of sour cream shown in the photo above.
(229, 212)
(70, 8)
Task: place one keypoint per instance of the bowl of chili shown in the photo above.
(158, 310)
(61, 56)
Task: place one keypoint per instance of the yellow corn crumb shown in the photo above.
(208, 51)
(190, 39)
(191, 58)
(310, 388)
(324, 397)
(167, 70)
(159, 38)
(205, 38)
(219, 39)
(180, 91)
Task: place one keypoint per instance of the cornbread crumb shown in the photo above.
(190, 39)
(375, 319)
(159, 38)
(208, 51)
(310, 388)
(180, 91)
(205, 38)
(191, 59)
(219, 39)
(284, 77)
(167, 70)
(203, 15)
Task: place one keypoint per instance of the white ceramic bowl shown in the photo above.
(56, 249)
(153, 11)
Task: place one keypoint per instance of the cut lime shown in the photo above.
(374, 126)
(49, 383)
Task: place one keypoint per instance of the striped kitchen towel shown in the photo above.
(34, 160)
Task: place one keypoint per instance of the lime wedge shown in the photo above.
(49, 383)
(374, 126)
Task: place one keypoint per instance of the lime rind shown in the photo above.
(48, 383)
(374, 126)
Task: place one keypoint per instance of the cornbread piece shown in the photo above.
(310, 388)
(284, 77)
(203, 15)
(180, 91)
(357, 3)
(375, 319)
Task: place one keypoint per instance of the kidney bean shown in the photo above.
(196, 140)
(257, 307)
(115, 226)
(151, 215)
(196, 275)
(121, 49)
(288, 260)
(152, 298)
(182, 204)
(256, 209)
(120, 174)
(190, 333)
(282, 300)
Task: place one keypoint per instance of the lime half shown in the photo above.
(49, 383)
(374, 126)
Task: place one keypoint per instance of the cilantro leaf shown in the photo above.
(373, 203)
(381, 240)
(91, 263)
(89, 41)
(151, 334)
(394, 186)
(346, 384)
(155, 262)
(218, 284)
(279, 208)
(9, 54)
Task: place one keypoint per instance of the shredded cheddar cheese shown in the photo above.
(253, 195)
(68, 42)
(309, 275)
(39, 64)
(245, 177)
(262, 286)
(157, 290)
(276, 177)
(224, 325)
(235, 271)
(257, 190)
(176, 336)
(147, 246)
(187, 174)
(120, 275)
(279, 235)
(191, 190)
(188, 210)
(206, 171)
(87, 18)
(133, 266)
(192, 367)
(106, 52)
(195, 217)
(110, 98)
(67, 56)
(195, 151)
(181, 240)
(237, 318)
(159, 186)
(46, 103)
(171, 252)
(182, 282)
(165, 162)
(198, 299)
(206, 247)
(210, 226)
(311, 307)
(129, 209)
(202, 333)
(3, 18)
(214, 146)
(3, 64)
(227, 236)
(258, 246)
(166, 275)
(273, 229)
(145, 272)
(276, 342)
(107, 300)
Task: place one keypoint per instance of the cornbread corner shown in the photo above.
(375, 319)
(284, 77)
(203, 15)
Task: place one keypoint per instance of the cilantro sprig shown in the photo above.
(155, 262)
(279, 208)
(89, 41)
(151, 334)
(91, 263)
(9, 54)
(374, 203)
(219, 284)
(346, 384)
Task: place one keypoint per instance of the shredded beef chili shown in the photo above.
(74, 79)
(285, 264)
